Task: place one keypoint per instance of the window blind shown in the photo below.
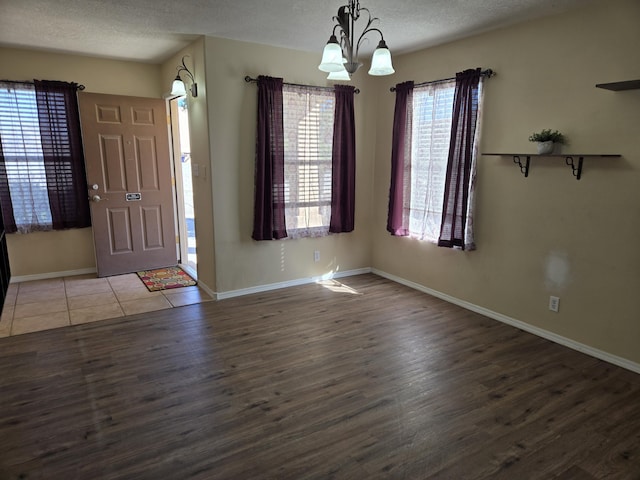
(24, 157)
(308, 116)
(431, 130)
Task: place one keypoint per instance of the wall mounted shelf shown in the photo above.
(576, 170)
(619, 86)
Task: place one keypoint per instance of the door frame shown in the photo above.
(182, 244)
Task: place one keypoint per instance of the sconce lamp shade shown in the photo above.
(178, 89)
(331, 56)
(381, 61)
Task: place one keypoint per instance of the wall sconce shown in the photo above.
(178, 87)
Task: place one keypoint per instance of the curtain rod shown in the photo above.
(484, 73)
(248, 79)
(26, 82)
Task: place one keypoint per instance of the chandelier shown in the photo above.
(340, 58)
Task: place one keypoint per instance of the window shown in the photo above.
(433, 160)
(42, 177)
(431, 131)
(23, 157)
(305, 160)
(308, 142)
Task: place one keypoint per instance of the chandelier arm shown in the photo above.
(368, 28)
(346, 44)
(351, 13)
(354, 9)
(362, 37)
(342, 19)
(346, 31)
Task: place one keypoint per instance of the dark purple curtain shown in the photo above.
(61, 139)
(458, 179)
(5, 197)
(269, 207)
(343, 172)
(397, 224)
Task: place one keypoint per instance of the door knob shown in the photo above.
(96, 198)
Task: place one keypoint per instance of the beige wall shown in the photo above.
(200, 156)
(548, 234)
(240, 261)
(67, 250)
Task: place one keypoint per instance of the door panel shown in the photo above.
(152, 226)
(127, 156)
(147, 164)
(112, 163)
(119, 231)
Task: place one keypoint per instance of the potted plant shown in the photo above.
(546, 140)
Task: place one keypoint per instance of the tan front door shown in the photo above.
(126, 150)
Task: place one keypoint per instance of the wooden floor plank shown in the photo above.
(356, 379)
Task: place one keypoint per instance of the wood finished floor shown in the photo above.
(357, 379)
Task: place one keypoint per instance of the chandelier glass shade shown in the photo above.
(340, 57)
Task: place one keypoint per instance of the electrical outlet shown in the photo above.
(316, 255)
(554, 303)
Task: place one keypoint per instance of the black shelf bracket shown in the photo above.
(524, 169)
(576, 171)
(619, 86)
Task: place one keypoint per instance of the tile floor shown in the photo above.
(61, 302)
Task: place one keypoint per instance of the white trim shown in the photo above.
(540, 332)
(207, 290)
(46, 276)
(189, 269)
(289, 283)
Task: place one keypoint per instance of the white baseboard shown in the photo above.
(289, 283)
(46, 276)
(540, 332)
(207, 290)
(194, 274)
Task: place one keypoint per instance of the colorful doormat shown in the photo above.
(166, 278)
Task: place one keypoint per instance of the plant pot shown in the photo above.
(545, 148)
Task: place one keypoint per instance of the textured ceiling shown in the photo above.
(152, 30)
